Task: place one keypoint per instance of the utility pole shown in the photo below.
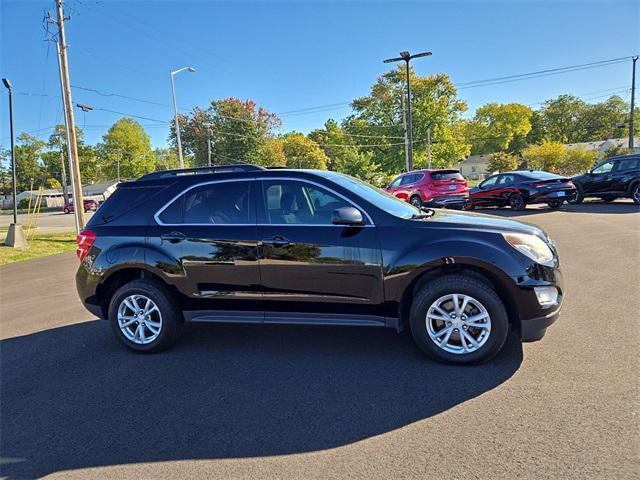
(634, 59)
(406, 57)
(66, 127)
(65, 195)
(406, 134)
(78, 199)
(208, 125)
(429, 146)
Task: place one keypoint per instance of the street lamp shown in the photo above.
(15, 235)
(175, 111)
(406, 57)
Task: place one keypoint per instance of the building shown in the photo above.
(601, 146)
(474, 167)
(52, 197)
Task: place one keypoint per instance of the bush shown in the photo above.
(502, 162)
(556, 158)
(24, 203)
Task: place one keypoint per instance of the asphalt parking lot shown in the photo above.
(232, 401)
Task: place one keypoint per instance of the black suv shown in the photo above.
(614, 178)
(244, 244)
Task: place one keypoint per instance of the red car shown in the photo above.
(436, 188)
(89, 206)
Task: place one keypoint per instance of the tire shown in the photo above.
(468, 206)
(635, 193)
(66, 211)
(169, 317)
(481, 293)
(578, 197)
(555, 204)
(416, 201)
(517, 202)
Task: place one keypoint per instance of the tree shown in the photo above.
(343, 157)
(5, 172)
(563, 118)
(126, 147)
(557, 158)
(496, 126)
(614, 152)
(502, 162)
(302, 152)
(271, 153)
(239, 129)
(606, 119)
(378, 118)
(89, 168)
(165, 159)
(30, 171)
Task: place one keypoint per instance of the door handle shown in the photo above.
(277, 241)
(173, 237)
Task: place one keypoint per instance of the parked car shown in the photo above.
(433, 188)
(89, 206)
(617, 177)
(250, 245)
(521, 188)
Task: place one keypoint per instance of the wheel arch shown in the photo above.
(485, 275)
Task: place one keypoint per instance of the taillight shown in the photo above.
(84, 240)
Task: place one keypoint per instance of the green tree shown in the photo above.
(165, 159)
(239, 131)
(89, 168)
(495, 127)
(502, 162)
(615, 151)
(378, 118)
(5, 172)
(343, 157)
(302, 152)
(576, 160)
(608, 119)
(563, 119)
(30, 170)
(127, 147)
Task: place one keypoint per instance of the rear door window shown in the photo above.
(224, 203)
(628, 164)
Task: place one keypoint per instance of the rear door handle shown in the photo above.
(173, 237)
(277, 241)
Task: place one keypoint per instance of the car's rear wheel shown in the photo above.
(555, 204)
(416, 201)
(143, 316)
(578, 197)
(635, 193)
(516, 202)
(66, 211)
(459, 319)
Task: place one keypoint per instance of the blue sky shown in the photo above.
(294, 55)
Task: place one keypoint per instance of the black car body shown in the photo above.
(521, 188)
(244, 244)
(616, 177)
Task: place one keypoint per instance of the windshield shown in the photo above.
(380, 199)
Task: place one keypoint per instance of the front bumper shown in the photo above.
(534, 329)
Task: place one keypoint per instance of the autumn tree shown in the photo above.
(240, 131)
(555, 157)
(502, 162)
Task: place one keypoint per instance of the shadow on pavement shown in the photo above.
(73, 398)
(619, 207)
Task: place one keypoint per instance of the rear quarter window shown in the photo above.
(122, 201)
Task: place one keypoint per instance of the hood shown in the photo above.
(479, 221)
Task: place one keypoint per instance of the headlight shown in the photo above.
(532, 246)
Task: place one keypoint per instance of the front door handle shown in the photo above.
(173, 237)
(277, 241)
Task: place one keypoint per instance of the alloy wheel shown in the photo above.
(458, 323)
(635, 195)
(139, 319)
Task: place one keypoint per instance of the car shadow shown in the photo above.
(617, 207)
(74, 398)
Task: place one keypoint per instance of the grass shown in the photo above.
(39, 246)
(9, 211)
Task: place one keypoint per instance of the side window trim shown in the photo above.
(252, 183)
(261, 195)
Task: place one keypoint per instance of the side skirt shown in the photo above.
(287, 318)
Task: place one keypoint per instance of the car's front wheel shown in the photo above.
(578, 197)
(143, 316)
(635, 193)
(459, 319)
(416, 201)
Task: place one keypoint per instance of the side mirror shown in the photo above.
(347, 216)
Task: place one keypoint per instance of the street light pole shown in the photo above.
(175, 111)
(633, 97)
(406, 57)
(15, 235)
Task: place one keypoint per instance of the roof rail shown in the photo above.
(236, 167)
